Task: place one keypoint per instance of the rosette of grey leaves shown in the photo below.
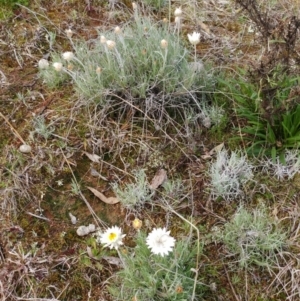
(283, 169)
(229, 173)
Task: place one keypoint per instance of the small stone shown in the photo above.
(24, 148)
(206, 122)
(73, 218)
(85, 230)
(91, 227)
(82, 231)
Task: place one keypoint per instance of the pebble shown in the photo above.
(24, 148)
(83, 230)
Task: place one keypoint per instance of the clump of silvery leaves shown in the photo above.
(254, 236)
(285, 167)
(133, 196)
(229, 173)
(142, 65)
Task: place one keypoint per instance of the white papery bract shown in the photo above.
(194, 38)
(178, 12)
(112, 237)
(160, 242)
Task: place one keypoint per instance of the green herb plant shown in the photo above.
(269, 119)
(134, 196)
(152, 277)
(254, 237)
(7, 7)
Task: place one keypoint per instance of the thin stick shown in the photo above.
(13, 129)
(231, 286)
(38, 216)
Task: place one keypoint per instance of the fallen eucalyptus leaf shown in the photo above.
(216, 149)
(205, 27)
(206, 157)
(113, 260)
(90, 253)
(103, 198)
(93, 157)
(158, 179)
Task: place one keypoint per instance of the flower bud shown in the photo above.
(68, 56)
(110, 44)
(137, 224)
(164, 44)
(178, 12)
(118, 30)
(43, 64)
(69, 32)
(98, 70)
(103, 40)
(134, 6)
(57, 66)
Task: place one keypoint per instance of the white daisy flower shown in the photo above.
(178, 12)
(194, 38)
(160, 242)
(112, 237)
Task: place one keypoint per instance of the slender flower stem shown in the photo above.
(120, 256)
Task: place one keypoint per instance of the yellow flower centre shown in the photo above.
(112, 236)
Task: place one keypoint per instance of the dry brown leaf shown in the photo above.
(90, 253)
(103, 198)
(93, 157)
(275, 212)
(206, 157)
(204, 27)
(158, 179)
(113, 260)
(216, 149)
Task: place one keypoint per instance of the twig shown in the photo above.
(13, 129)
(231, 286)
(38, 216)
